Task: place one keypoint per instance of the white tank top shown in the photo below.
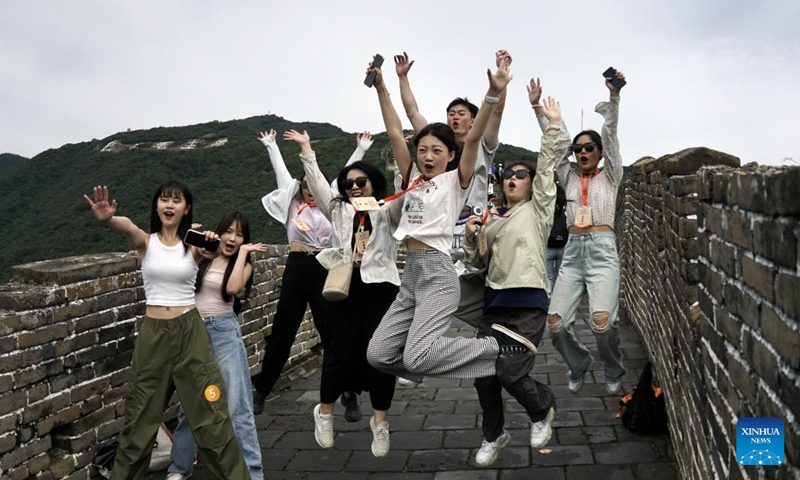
(168, 274)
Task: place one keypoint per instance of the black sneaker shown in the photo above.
(511, 342)
(258, 402)
(352, 412)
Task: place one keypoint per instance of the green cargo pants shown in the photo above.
(169, 355)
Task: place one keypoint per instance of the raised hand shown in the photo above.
(364, 140)
(610, 86)
(552, 110)
(267, 136)
(500, 78)
(500, 55)
(402, 65)
(301, 139)
(378, 75)
(534, 91)
(102, 209)
(253, 247)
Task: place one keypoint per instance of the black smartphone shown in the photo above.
(197, 239)
(377, 62)
(611, 73)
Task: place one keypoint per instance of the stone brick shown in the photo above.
(775, 240)
(723, 256)
(758, 276)
(690, 160)
(62, 465)
(116, 363)
(783, 334)
(115, 332)
(36, 373)
(742, 378)
(748, 192)
(74, 444)
(20, 359)
(88, 422)
(93, 321)
(684, 185)
(8, 441)
(719, 188)
(28, 297)
(74, 377)
(49, 406)
(26, 452)
(729, 326)
(42, 335)
(90, 389)
(739, 229)
(116, 298)
(782, 186)
(64, 416)
(63, 271)
(74, 309)
(763, 361)
(15, 322)
(786, 296)
(742, 304)
(75, 343)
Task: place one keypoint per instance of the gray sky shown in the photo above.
(721, 74)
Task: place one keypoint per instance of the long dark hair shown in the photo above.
(445, 134)
(379, 186)
(172, 188)
(244, 225)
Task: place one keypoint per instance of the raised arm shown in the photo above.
(241, 269)
(402, 66)
(497, 83)
(394, 128)
(282, 175)
(555, 144)
(491, 135)
(104, 211)
(610, 112)
(319, 187)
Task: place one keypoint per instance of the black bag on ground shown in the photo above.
(644, 412)
(104, 459)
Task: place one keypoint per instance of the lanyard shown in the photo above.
(585, 186)
(402, 192)
(304, 206)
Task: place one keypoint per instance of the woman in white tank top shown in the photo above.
(173, 350)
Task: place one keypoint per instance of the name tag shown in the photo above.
(364, 204)
(583, 217)
(361, 242)
(301, 225)
(483, 243)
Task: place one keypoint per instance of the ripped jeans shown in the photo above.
(590, 265)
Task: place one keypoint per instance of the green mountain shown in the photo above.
(8, 162)
(222, 162)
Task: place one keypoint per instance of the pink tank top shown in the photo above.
(209, 299)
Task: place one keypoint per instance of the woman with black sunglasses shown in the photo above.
(511, 245)
(590, 263)
(309, 232)
(366, 237)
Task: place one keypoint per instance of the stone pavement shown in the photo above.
(435, 430)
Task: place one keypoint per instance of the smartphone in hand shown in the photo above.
(617, 83)
(197, 239)
(377, 62)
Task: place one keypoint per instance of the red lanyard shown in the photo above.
(400, 193)
(305, 205)
(585, 186)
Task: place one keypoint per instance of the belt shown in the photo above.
(303, 248)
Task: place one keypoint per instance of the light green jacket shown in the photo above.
(518, 239)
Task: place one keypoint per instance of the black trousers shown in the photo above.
(303, 280)
(513, 371)
(344, 364)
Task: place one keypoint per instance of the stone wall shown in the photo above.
(709, 255)
(67, 330)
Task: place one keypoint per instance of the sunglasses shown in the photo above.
(360, 182)
(520, 174)
(589, 147)
(304, 184)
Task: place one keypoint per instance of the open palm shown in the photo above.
(102, 209)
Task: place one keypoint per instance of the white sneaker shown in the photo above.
(541, 431)
(380, 437)
(323, 428)
(178, 476)
(614, 386)
(405, 382)
(574, 385)
(490, 450)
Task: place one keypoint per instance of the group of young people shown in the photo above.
(465, 260)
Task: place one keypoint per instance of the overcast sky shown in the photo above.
(721, 74)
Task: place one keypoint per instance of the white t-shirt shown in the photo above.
(431, 209)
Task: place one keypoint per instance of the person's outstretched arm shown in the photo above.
(241, 269)
(104, 211)
(282, 174)
(534, 96)
(492, 134)
(394, 128)
(363, 142)
(402, 66)
(610, 112)
(555, 144)
(497, 82)
(323, 194)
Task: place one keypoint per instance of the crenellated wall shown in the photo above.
(67, 331)
(709, 254)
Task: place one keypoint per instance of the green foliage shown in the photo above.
(46, 216)
(8, 162)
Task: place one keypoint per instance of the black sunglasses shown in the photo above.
(304, 184)
(520, 174)
(361, 182)
(589, 147)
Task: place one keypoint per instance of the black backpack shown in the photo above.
(643, 412)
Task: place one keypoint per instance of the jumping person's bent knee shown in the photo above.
(600, 322)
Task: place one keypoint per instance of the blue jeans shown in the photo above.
(590, 265)
(226, 339)
(553, 263)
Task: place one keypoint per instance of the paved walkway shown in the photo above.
(435, 430)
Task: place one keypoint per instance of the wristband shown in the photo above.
(534, 105)
(491, 100)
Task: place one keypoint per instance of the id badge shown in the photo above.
(301, 225)
(364, 204)
(483, 243)
(583, 217)
(361, 242)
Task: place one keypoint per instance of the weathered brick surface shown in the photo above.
(736, 352)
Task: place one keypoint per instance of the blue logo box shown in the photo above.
(759, 441)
